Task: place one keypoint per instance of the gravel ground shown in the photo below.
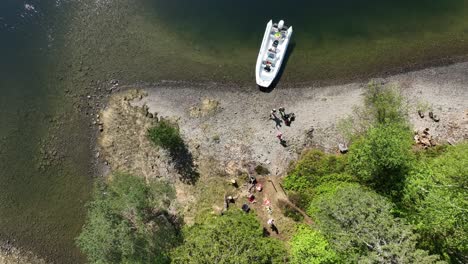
(232, 125)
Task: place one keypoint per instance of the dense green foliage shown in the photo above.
(310, 246)
(313, 169)
(166, 135)
(384, 202)
(436, 200)
(235, 237)
(127, 222)
(381, 158)
(360, 226)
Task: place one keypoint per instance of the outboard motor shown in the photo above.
(281, 24)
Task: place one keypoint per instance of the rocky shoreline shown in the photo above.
(228, 130)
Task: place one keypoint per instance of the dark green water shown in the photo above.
(73, 46)
(332, 39)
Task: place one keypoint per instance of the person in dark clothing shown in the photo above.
(292, 117)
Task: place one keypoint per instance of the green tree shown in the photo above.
(436, 200)
(127, 222)
(235, 237)
(311, 247)
(381, 158)
(360, 226)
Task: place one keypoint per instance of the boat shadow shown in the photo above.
(275, 82)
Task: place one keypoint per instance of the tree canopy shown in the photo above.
(436, 200)
(128, 223)
(381, 157)
(360, 226)
(235, 237)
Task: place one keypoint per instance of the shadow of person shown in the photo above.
(266, 233)
(283, 143)
(275, 229)
(277, 122)
(275, 82)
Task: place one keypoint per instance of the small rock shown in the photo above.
(114, 81)
(436, 118)
(150, 115)
(89, 96)
(101, 128)
(431, 115)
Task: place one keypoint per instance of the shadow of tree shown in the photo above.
(167, 135)
(183, 163)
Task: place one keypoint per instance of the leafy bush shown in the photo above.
(235, 237)
(310, 246)
(383, 105)
(314, 168)
(382, 157)
(166, 135)
(435, 199)
(360, 226)
(127, 222)
(311, 167)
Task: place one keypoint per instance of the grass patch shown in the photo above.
(290, 211)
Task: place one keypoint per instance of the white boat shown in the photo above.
(272, 52)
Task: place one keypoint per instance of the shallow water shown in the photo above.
(48, 47)
(331, 39)
(43, 184)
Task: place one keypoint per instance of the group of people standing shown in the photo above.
(285, 117)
